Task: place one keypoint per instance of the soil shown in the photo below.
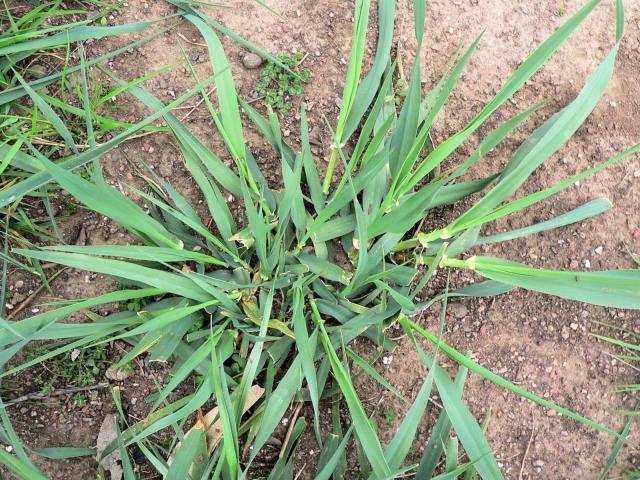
(541, 343)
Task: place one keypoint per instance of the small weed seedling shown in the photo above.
(77, 368)
(389, 416)
(278, 85)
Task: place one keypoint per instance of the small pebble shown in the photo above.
(251, 61)
(458, 310)
(587, 264)
(19, 284)
(599, 250)
(118, 374)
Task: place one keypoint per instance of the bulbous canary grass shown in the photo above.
(294, 350)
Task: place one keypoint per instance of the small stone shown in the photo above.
(565, 333)
(599, 250)
(458, 310)
(636, 174)
(251, 61)
(38, 71)
(118, 374)
(587, 263)
(387, 359)
(19, 284)
(538, 463)
(108, 434)
(574, 326)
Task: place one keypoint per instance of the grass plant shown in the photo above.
(258, 305)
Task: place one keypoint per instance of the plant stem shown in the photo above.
(330, 168)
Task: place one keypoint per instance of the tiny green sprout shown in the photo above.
(278, 85)
(79, 400)
(47, 388)
(400, 90)
(389, 416)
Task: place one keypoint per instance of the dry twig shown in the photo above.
(57, 393)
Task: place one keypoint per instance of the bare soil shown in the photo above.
(541, 343)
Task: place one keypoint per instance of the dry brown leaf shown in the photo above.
(213, 426)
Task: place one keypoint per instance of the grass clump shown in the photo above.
(280, 82)
(264, 311)
(626, 342)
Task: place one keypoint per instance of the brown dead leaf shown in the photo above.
(212, 423)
